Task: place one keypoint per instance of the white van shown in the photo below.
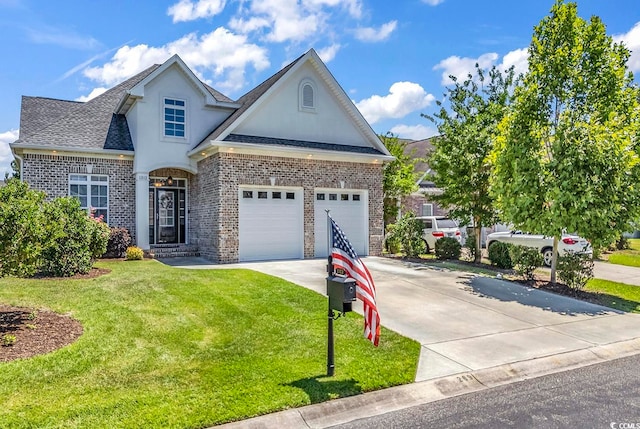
(436, 227)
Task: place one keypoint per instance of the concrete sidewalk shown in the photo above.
(475, 332)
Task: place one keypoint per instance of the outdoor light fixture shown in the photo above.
(163, 182)
(169, 181)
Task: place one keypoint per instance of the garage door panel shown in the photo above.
(270, 228)
(350, 213)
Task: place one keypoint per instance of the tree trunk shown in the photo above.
(554, 260)
(478, 233)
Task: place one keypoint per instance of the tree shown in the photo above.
(567, 158)
(468, 128)
(399, 176)
(15, 173)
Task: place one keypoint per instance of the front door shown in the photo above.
(167, 216)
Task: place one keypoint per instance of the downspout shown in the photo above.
(21, 162)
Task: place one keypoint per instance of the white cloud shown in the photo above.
(461, 67)
(5, 151)
(93, 94)
(403, 98)
(186, 10)
(48, 35)
(369, 34)
(518, 58)
(329, 53)
(433, 2)
(353, 6)
(220, 53)
(414, 132)
(631, 40)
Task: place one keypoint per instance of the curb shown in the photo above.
(344, 410)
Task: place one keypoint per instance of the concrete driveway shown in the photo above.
(466, 322)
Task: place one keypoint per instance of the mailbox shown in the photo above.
(341, 292)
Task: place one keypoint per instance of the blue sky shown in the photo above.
(391, 57)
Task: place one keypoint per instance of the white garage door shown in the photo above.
(349, 208)
(270, 223)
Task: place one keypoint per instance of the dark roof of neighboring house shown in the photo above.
(247, 101)
(90, 125)
(419, 149)
(268, 141)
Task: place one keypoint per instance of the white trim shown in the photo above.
(287, 152)
(67, 151)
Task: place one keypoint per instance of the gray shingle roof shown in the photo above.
(268, 141)
(217, 94)
(90, 125)
(38, 112)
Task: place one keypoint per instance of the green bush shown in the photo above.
(21, 229)
(408, 233)
(69, 234)
(391, 240)
(499, 255)
(134, 253)
(470, 248)
(575, 269)
(119, 240)
(100, 233)
(448, 248)
(525, 260)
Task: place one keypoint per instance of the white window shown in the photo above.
(307, 97)
(427, 210)
(174, 118)
(93, 192)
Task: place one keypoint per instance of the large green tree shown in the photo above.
(399, 176)
(567, 155)
(468, 122)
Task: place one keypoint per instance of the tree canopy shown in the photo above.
(566, 158)
(399, 176)
(468, 124)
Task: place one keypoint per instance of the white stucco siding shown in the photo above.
(146, 122)
(279, 115)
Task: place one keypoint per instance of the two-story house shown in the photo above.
(183, 166)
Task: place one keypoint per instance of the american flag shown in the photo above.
(343, 256)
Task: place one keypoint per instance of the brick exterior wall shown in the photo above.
(214, 210)
(50, 173)
(413, 203)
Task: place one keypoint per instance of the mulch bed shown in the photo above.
(36, 331)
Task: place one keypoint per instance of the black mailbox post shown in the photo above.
(341, 292)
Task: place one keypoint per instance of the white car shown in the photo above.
(436, 227)
(568, 243)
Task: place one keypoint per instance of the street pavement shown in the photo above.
(616, 273)
(475, 332)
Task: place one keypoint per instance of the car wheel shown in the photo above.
(547, 256)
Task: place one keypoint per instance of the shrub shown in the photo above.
(623, 243)
(448, 248)
(470, 248)
(408, 233)
(134, 253)
(8, 340)
(525, 260)
(99, 240)
(575, 269)
(499, 255)
(69, 233)
(21, 229)
(119, 240)
(391, 241)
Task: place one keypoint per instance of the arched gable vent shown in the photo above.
(307, 95)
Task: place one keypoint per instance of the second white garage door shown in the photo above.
(349, 208)
(270, 223)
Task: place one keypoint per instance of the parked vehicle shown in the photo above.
(567, 243)
(436, 227)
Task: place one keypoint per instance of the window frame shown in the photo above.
(165, 121)
(88, 181)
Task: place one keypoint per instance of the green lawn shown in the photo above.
(616, 295)
(173, 348)
(629, 257)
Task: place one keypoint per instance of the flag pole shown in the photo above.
(330, 352)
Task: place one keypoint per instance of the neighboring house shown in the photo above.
(421, 202)
(184, 167)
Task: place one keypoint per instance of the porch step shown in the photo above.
(161, 251)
